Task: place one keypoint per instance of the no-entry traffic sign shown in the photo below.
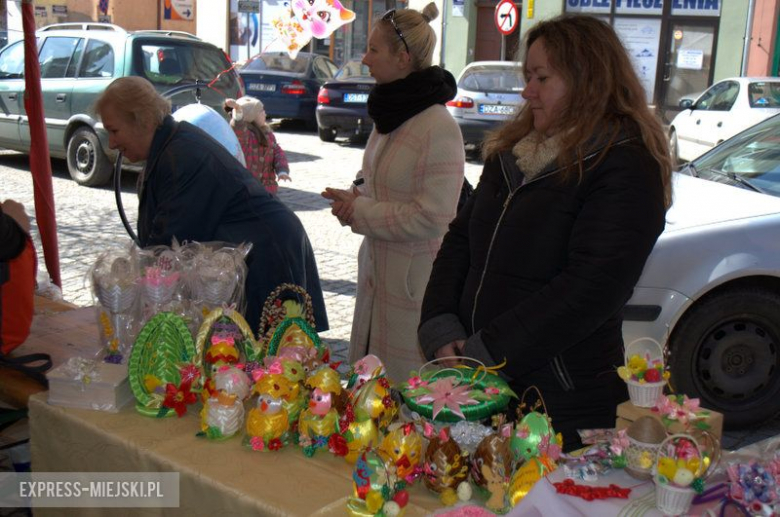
(506, 17)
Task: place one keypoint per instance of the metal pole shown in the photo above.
(748, 37)
(248, 38)
(443, 30)
(503, 48)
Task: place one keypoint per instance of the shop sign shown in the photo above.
(696, 7)
(59, 10)
(647, 7)
(249, 6)
(179, 10)
(588, 6)
(40, 11)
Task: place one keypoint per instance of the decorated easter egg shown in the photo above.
(369, 474)
(526, 476)
(493, 453)
(445, 465)
(683, 477)
(374, 400)
(359, 435)
(403, 446)
(529, 433)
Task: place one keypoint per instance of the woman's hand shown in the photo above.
(342, 203)
(454, 348)
(283, 176)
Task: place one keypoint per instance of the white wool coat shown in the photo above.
(413, 178)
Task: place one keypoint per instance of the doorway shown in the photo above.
(688, 63)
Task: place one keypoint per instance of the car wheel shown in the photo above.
(673, 149)
(87, 163)
(326, 134)
(726, 351)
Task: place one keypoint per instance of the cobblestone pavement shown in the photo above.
(88, 223)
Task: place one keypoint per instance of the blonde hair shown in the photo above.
(418, 34)
(604, 93)
(135, 100)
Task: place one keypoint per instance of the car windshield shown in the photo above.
(750, 160)
(764, 94)
(279, 62)
(173, 63)
(353, 69)
(492, 79)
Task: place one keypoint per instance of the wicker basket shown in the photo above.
(644, 394)
(639, 458)
(672, 500)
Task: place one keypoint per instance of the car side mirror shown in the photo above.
(686, 104)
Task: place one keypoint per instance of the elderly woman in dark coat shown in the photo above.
(193, 189)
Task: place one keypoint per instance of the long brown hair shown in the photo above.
(604, 93)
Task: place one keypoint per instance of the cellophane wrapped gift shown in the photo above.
(215, 275)
(116, 294)
(89, 383)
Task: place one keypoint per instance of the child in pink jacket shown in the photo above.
(265, 159)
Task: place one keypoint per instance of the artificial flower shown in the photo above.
(416, 382)
(337, 445)
(188, 373)
(275, 444)
(492, 390)
(444, 393)
(619, 443)
(178, 397)
(257, 443)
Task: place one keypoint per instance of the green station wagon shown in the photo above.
(78, 61)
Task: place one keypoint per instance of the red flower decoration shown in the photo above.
(384, 383)
(177, 398)
(275, 444)
(337, 444)
(387, 401)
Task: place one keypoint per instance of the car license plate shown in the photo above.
(355, 97)
(496, 109)
(261, 87)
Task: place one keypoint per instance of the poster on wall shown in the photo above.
(252, 33)
(642, 38)
(179, 9)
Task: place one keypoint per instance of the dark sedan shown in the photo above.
(288, 87)
(341, 104)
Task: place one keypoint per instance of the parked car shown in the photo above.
(723, 110)
(288, 87)
(78, 61)
(711, 287)
(341, 103)
(488, 95)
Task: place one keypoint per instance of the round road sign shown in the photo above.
(506, 17)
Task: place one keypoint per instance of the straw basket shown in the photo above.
(670, 499)
(644, 394)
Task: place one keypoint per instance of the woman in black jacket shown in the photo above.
(537, 267)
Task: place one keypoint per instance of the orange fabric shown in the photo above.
(17, 299)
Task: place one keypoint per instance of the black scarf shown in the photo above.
(392, 104)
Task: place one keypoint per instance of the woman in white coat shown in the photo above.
(408, 188)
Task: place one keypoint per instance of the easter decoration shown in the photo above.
(491, 467)
(286, 322)
(755, 486)
(224, 338)
(526, 476)
(161, 281)
(320, 421)
(116, 292)
(679, 473)
(642, 440)
(222, 415)
(445, 464)
(216, 275)
(376, 488)
(363, 370)
(534, 434)
(644, 371)
(469, 391)
(403, 446)
(268, 423)
(294, 372)
(164, 367)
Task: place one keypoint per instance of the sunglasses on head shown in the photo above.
(390, 17)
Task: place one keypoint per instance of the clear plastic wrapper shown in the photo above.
(89, 383)
(216, 272)
(116, 295)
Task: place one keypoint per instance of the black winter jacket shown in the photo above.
(195, 190)
(538, 273)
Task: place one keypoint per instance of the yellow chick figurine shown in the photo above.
(267, 424)
(320, 419)
(667, 467)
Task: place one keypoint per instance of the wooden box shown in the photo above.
(89, 384)
(627, 413)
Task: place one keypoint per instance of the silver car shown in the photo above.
(711, 288)
(488, 95)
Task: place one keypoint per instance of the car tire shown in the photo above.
(726, 351)
(88, 165)
(674, 150)
(326, 134)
